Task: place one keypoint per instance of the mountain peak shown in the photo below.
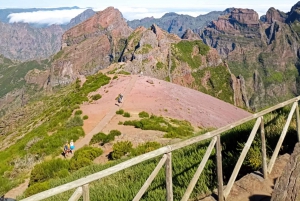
(170, 14)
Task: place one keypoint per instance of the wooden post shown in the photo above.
(169, 183)
(199, 170)
(76, 195)
(298, 121)
(219, 169)
(150, 179)
(282, 136)
(241, 158)
(86, 192)
(263, 149)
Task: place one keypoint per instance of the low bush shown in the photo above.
(145, 148)
(49, 169)
(84, 157)
(74, 121)
(78, 112)
(103, 138)
(36, 188)
(121, 149)
(115, 77)
(85, 117)
(177, 129)
(96, 97)
(143, 114)
(126, 114)
(120, 111)
(115, 133)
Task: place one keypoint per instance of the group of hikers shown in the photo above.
(69, 148)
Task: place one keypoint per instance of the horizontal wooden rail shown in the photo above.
(152, 154)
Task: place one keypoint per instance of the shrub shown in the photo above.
(120, 123)
(120, 111)
(36, 188)
(115, 77)
(96, 97)
(99, 137)
(47, 170)
(115, 133)
(143, 114)
(78, 112)
(121, 149)
(85, 117)
(144, 148)
(126, 114)
(75, 121)
(84, 157)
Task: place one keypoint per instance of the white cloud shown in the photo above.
(45, 17)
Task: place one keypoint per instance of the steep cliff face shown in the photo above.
(23, 42)
(265, 53)
(90, 46)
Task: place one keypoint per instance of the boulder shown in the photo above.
(287, 187)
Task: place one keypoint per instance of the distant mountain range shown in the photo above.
(178, 23)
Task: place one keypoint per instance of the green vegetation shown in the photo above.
(56, 126)
(126, 114)
(144, 148)
(160, 65)
(84, 157)
(121, 149)
(215, 82)
(125, 184)
(103, 138)
(175, 129)
(190, 52)
(120, 111)
(123, 72)
(78, 112)
(145, 49)
(85, 117)
(43, 173)
(58, 55)
(143, 114)
(49, 169)
(12, 74)
(115, 77)
(96, 97)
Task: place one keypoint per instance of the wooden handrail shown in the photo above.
(152, 154)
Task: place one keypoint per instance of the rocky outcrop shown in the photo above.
(287, 187)
(90, 46)
(178, 24)
(190, 35)
(260, 51)
(274, 15)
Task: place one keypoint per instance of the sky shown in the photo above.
(134, 9)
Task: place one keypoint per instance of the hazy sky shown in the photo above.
(137, 9)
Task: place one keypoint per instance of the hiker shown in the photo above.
(120, 98)
(66, 149)
(72, 146)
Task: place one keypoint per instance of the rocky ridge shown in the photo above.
(262, 53)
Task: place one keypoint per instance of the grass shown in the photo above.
(184, 51)
(103, 138)
(125, 184)
(143, 114)
(120, 112)
(56, 119)
(178, 129)
(96, 97)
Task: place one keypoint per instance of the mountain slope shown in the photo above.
(264, 54)
(178, 24)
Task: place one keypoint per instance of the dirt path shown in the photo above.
(107, 118)
(13, 193)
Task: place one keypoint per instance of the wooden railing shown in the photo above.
(82, 185)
